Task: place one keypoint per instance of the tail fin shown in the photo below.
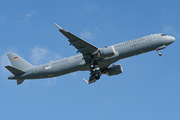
(20, 81)
(18, 62)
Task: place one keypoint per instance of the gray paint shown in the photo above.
(77, 63)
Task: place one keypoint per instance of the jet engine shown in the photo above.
(106, 52)
(114, 70)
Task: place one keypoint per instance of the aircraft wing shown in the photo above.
(82, 46)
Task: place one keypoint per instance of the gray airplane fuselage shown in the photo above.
(77, 63)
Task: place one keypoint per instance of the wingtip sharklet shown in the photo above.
(85, 81)
(57, 26)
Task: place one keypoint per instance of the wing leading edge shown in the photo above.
(82, 46)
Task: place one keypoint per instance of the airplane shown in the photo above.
(97, 60)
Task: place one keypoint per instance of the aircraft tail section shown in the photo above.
(18, 62)
(15, 72)
(19, 65)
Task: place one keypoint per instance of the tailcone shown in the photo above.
(12, 77)
(15, 77)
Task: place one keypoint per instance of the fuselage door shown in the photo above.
(154, 37)
(71, 59)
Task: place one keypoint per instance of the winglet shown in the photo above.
(57, 26)
(85, 81)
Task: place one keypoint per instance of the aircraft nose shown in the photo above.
(169, 40)
(172, 39)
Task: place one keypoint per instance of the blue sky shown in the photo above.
(147, 89)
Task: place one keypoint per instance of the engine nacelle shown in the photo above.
(114, 70)
(106, 52)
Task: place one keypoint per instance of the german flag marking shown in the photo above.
(15, 58)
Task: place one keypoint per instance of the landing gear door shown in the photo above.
(154, 37)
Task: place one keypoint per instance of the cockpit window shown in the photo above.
(163, 34)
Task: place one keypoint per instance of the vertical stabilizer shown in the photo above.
(20, 81)
(18, 62)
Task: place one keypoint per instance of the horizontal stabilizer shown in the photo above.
(85, 81)
(14, 70)
(20, 81)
